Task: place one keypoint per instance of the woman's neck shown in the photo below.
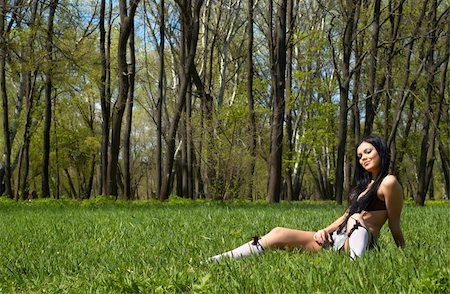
(374, 176)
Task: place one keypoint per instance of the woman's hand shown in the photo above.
(322, 236)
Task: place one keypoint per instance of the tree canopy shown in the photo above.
(214, 94)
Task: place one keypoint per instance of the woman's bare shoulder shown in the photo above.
(390, 181)
(390, 185)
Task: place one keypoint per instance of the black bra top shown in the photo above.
(376, 204)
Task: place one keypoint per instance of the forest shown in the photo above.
(221, 99)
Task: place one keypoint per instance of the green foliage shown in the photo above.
(313, 101)
(101, 200)
(436, 281)
(151, 247)
(6, 200)
(320, 129)
(230, 149)
(63, 202)
(175, 200)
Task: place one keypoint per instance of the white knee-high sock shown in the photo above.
(358, 241)
(252, 247)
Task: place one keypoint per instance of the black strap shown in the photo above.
(355, 226)
(256, 243)
(255, 240)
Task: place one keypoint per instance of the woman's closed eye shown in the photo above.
(367, 151)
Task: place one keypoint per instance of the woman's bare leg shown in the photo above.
(278, 238)
(284, 238)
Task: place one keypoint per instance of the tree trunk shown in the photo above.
(278, 67)
(355, 117)
(190, 29)
(6, 132)
(344, 77)
(371, 99)
(104, 99)
(189, 147)
(129, 118)
(55, 142)
(184, 175)
(159, 106)
(251, 103)
(24, 152)
(73, 192)
(208, 116)
(126, 21)
(27, 86)
(395, 18)
(90, 184)
(427, 154)
(444, 147)
(289, 129)
(211, 161)
(48, 101)
(434, 132)
(399, 155)
(445, 162)
(206, 113)
(223, 53)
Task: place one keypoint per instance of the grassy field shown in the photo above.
(103, 247)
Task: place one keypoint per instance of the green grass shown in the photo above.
(143, 247)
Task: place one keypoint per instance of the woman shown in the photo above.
(376, 198)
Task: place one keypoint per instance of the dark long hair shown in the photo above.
(363, 177)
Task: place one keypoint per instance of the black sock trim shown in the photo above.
(256, 243)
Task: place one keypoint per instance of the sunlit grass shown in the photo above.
(107, 247)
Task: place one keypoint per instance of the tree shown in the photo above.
(445, 162)
(129, 117)
(190, 16)
(372, 98)
(217, 127)
(289, 97)
(250, 101)
(126, 24)
(344, 74)
(278, 67)
(159, 106)
(48, 100)
(26, 90)
(427, 154)
(408, 86)
(105, 97)
(3, 91)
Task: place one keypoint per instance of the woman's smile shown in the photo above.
(369, 158)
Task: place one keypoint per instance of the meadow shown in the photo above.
(101, 246)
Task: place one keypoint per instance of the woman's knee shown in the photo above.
(275, 237)
(277, 231)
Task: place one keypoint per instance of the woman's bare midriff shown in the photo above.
(374, 220)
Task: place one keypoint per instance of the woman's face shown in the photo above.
(369, 158)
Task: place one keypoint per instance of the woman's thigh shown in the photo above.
(285, 238)
(352, 221)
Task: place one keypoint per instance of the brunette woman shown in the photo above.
(376, 198)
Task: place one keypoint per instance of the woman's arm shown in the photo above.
(324, 234)
(393, 197)
(335, 225)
